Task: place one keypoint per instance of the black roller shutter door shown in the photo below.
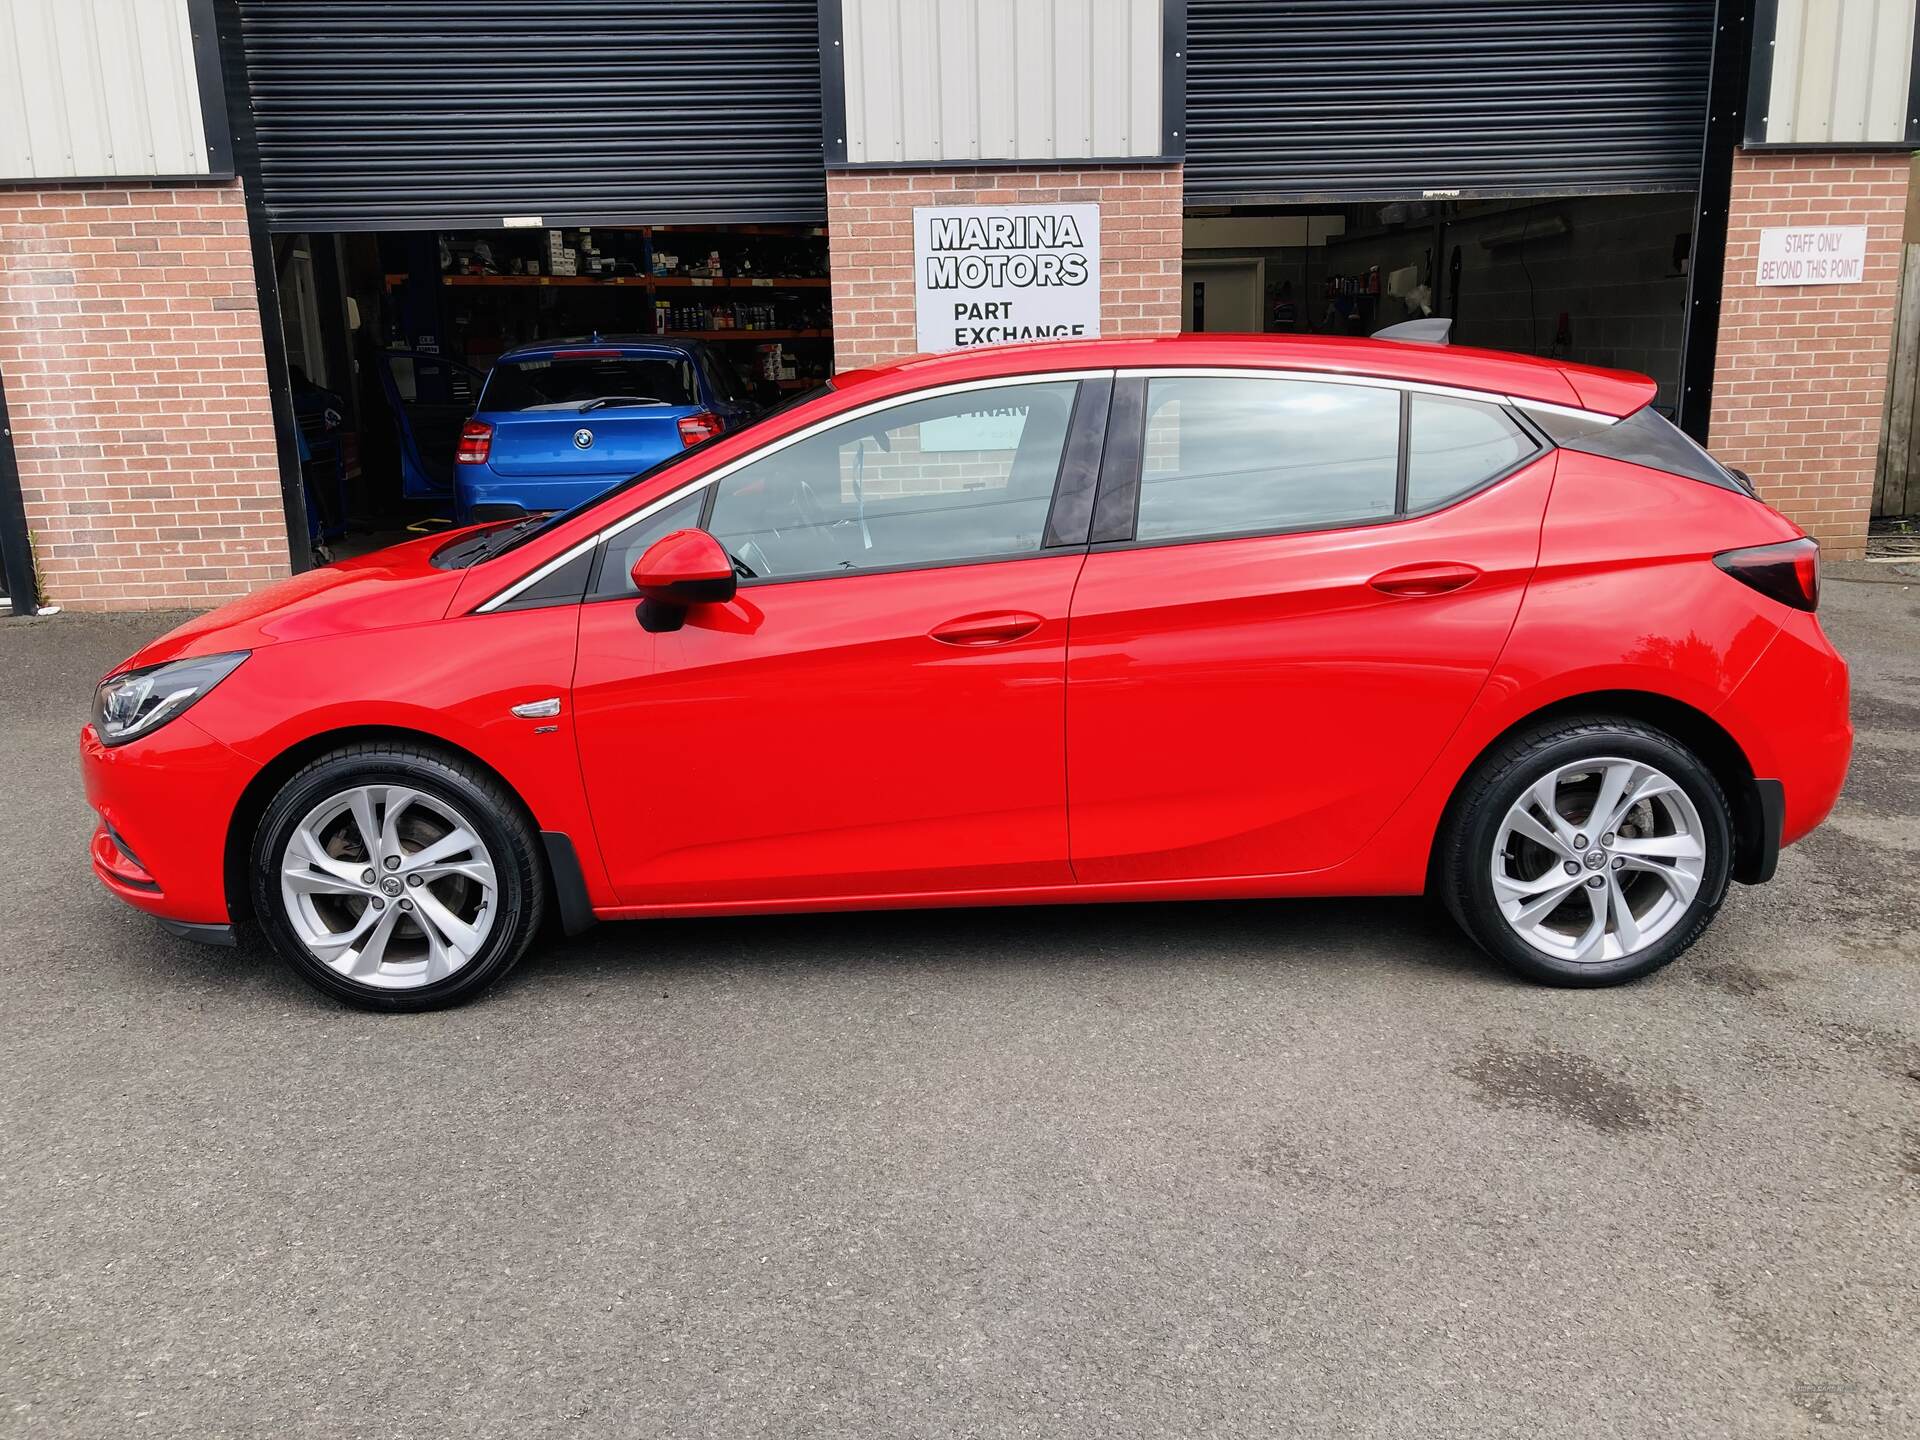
(416, 115)
(1350, 99)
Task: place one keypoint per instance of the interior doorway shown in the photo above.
(1222, 296)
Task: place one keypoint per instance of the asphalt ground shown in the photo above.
(1305, 1168)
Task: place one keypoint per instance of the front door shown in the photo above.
(881, 710)
(1262, 669)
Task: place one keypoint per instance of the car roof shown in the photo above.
(1524, 377)
(625, 344)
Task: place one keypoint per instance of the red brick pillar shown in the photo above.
(870, 225)
(130, 341)
(1800, 379)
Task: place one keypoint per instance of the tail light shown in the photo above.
(695, 428)
(1788, 572)
(476, 443)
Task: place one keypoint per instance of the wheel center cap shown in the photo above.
(1595, 859)
(392, 883)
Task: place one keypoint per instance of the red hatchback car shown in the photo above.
(1116, 620)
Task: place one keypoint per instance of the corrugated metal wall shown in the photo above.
(97, 88)
(1385, 99)
(416, 114)
(1840, 72)
(957, 80)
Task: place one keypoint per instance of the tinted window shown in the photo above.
(1224, 456)
(616, 568)
(955, 477)
(1455, 445)
(1648, 438)
(568, 383)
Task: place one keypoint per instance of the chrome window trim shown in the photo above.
(1572, 412)
(712, 477)
(1377, 382)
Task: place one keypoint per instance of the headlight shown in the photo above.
(128, 705)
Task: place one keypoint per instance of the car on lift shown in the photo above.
(1193, 617)
(560, 421)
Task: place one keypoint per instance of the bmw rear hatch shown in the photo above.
(589, 411)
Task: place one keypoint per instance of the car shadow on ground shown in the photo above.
(1303, 934)
(1309, 937)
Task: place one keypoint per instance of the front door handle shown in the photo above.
(1429, 579)
(1002, 627)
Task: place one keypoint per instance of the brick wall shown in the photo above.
(130, 345)
(870, 224)
(1800, 378)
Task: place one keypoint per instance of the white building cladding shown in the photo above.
(100, 89)
(953, 81)
(1840, 71)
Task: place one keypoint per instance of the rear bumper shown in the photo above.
(164, 804)
(1789, 715)
(478, 486)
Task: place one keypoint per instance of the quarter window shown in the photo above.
(1233, 456)
(947, 479)
(1455, 445)
(616, 566)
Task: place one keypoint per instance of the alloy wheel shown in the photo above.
(1598, 859)
(389, 886)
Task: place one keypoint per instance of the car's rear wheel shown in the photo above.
(1587, 851)
(396, 878)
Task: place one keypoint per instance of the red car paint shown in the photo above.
(1276, 715)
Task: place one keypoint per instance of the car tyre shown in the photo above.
(1630, 900)
(397, 877)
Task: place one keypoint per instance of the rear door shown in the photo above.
(880, 711)
(1297, 587)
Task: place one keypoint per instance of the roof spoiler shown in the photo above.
(1433, 330)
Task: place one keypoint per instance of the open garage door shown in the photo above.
(418, 115)
(1378, 99)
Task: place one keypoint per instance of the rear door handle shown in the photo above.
(1429, 579)
(1002, 627)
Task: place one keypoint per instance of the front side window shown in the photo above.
(616, 566)
(1242, 456)
(947, 479)
(1456, 445)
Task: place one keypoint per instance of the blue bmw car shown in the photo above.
(560, 421)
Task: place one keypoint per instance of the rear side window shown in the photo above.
(1242, 456)
(568, 382)
(1456, 445)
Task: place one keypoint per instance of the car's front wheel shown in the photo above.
(1587, 851)
(397, 878)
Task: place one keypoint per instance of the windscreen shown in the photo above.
(566, 382)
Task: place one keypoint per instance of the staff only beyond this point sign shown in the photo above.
(987, 274)
(1813, 255)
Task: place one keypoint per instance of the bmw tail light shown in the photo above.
(695, 428)
(1788, 572)
(476, 443)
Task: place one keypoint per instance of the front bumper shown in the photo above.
(165, 803)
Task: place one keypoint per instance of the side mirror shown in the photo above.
(680, 570)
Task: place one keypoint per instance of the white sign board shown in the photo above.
(1813, 255)
(986, 274)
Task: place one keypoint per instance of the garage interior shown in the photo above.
(390, 336)
(1597, 279)
(1526, 167)
(442, 183)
